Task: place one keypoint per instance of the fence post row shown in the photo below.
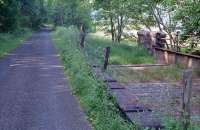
(186, 97)
(106, 57)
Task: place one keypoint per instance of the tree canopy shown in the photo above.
(114, 15)
(33, 13)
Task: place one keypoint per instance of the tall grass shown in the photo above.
(121, 53)
(9, 41)
(99, 107)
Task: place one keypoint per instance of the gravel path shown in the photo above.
(34, 94)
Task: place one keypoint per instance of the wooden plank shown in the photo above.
(139, 65)
(136, 108)
(178, 53)
(115, 85)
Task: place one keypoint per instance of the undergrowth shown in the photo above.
(99, 107)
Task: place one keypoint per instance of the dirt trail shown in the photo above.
(34, 94)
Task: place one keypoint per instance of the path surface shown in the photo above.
(34, 94)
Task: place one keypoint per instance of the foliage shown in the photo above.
(92, 94)
(21, 13)
(115, 12)
(166, 15)
(68, 12)
(9, 15)
(189, 16)
(33, 12)
(138, 12)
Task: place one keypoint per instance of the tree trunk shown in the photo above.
(112, 28)
(120, 26)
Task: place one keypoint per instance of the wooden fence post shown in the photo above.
(106, 57)
(186, 96)
(82, 36)
(177, 41)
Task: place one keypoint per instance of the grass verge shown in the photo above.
(99, 107)
(121, 53)
(10, 41)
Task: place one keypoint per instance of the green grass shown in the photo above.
(10, 41)
(121, 53)
(99, 107)
(173, 124)
(170, 73)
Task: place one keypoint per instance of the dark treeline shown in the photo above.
(21, 13)
(17, 14)
(114, 16)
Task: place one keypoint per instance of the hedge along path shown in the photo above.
(33, 91)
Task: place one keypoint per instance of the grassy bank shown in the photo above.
(121, 53)
(99, 107)
(10, 41)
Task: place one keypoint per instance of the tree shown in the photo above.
(163, 12)
(33, 12)
(21, 13)
(67, 12)
(140, 14)
(189, 15)
(116, 13)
